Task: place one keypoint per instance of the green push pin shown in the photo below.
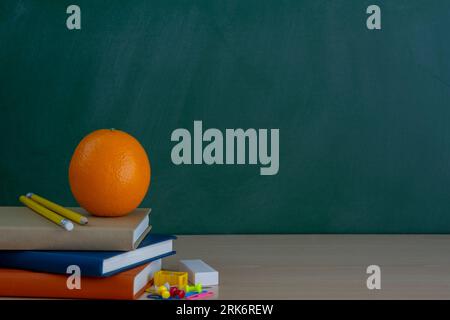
(195, 288)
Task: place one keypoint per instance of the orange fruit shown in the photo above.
(109, 173)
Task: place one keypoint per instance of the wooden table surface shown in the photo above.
(322, 266)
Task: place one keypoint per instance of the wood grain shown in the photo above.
(322, 266)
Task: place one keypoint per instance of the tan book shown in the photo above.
(23, 229)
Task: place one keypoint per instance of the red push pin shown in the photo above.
(174, 292)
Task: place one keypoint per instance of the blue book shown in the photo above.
(91, 263)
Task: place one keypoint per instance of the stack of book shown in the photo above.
(109, 258)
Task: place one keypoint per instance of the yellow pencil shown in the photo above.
(69, 214)
(50, 215)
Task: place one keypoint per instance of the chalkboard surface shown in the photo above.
(364, 115)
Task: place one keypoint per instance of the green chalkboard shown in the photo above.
(364, 115)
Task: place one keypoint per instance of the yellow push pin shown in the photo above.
(163, 292)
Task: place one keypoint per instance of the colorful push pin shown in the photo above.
(201, 295)
(175, 292)
(196, 288)
(163, 292)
